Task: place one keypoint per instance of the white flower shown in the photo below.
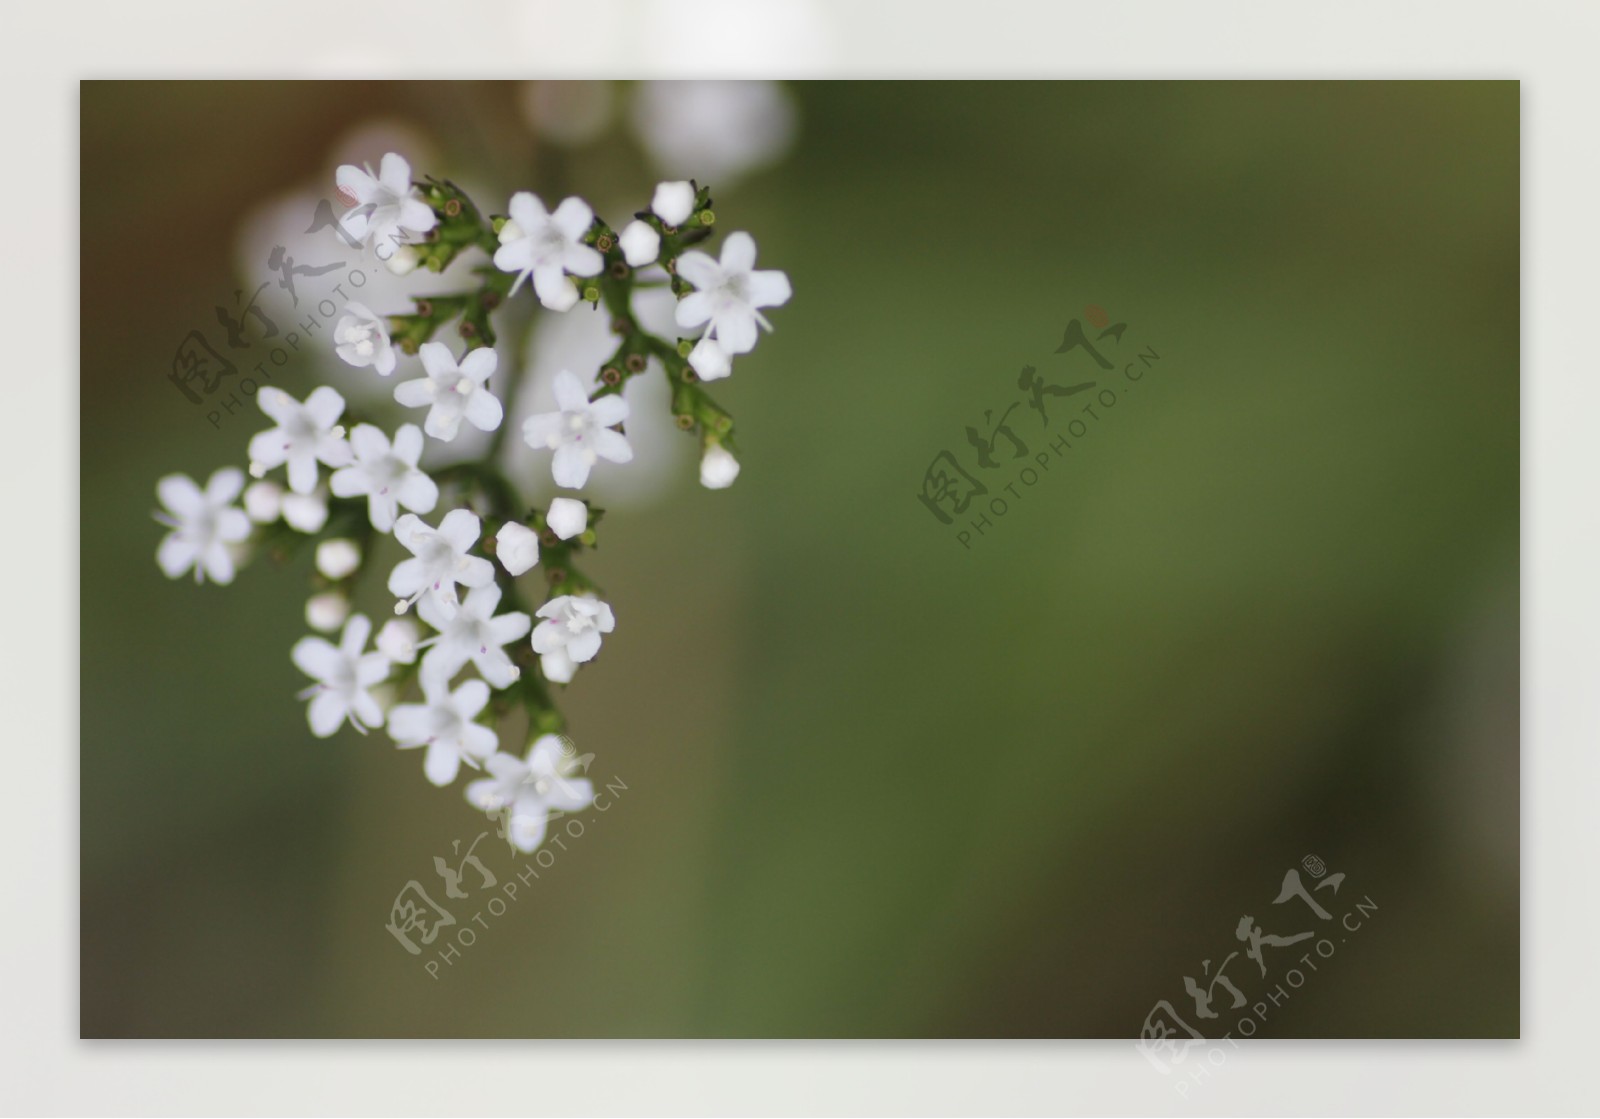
(362, 338)
(387, 474)
(455, 392)
(344, 674)
(203, 524)
(338, 557)
(570, 633)
(397, 640)
(673, 202)
(306, 512)
(472, 633)
(567, 517)
(517, 546)
(385, 208)
(439, 559)
(306, 434)
(546, 246)
(579, 433)
(263, 502)
(709, 360)
(529, 790)
(730, 293)
(718, 468)
(443, 723)
(326, 612)
(640, 243)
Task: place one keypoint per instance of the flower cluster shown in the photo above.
(460, 535)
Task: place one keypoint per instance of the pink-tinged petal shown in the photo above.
(431, 611)
(612, 446)
(768, 289)
(609, 411)
(693, 310)
(407, 578)
(395, 173)
(583, 646)
(224, 485)
(385, 362)
(605, 621)
(408, 529)
(334, 451)
(460, 527)
(175, 555)
(315, 657)
(573, 218)
(324, 406)
(442, 763)
(527, 211)
(325, 714)
(436, 359)
(414, 394)
(381, 508)
(368, 443)
(479, 364)
(418, 492)
(180, 495)
(570, 394)
(738, 253)
(699, 269)
(570, 466)
(408, 444)
(736, 330)
(483, 411)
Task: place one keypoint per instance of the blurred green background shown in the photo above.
(878, 784)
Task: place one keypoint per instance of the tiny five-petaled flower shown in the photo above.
(387, 474)
(729, 293)
(546, 246)
(579, 433)
(453, 392)
(344, 673)
(385, 210)
(443, 722)
(203, 524)
(528, 790)
(306, 434)
(570, 633)
(439, 560)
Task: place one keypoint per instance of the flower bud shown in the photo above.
(397, 640)
(567, 517)
(709, 360)
(263, 502)
(326, 612)
(338, 558)
(517, 547)
(718, 468)
(673, 202)
(640, 244)
(403, 260)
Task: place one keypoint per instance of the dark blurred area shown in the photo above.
(876, 782)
